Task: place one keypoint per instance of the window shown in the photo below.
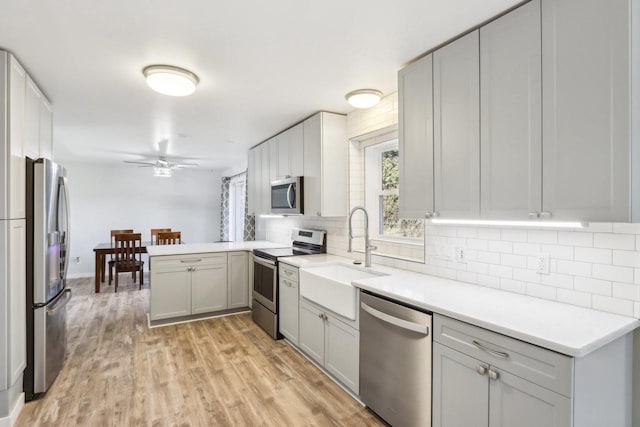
(382, 194)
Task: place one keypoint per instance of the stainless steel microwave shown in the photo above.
(287, 196)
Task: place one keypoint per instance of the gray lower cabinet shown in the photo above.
(185, 285)
(482, 378)
(331, 343)
(238, 270)
(456, 109)
(289, 303)
(511, 116)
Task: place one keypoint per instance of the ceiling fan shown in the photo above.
(163, 166)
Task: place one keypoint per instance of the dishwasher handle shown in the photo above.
(404, 324)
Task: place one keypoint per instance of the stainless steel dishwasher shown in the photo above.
(395, 361)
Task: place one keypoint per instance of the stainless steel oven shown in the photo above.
(287, 196)
(265, 304)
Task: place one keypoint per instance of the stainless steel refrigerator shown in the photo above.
(47, 265)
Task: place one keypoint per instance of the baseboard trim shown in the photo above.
(11, 420)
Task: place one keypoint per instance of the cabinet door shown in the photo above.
(265, 183)
(273, 159)
(586, 109)
(288, 309)
(517, 402)
(283, 141)
(511, 102)
(238, 279)
(312, 332)
(170, 293)
(415, 125)
(312, 163)
(208, 288)
(296, 150)
(251, 182)
(342, 353)
(17, 300)
(46, 130)
(456, 91)
(17, 166)
(460, 394)
(32, 120)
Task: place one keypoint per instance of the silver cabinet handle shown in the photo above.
(401, 323)
(493, 375)
(486, 349)
(481, 370)
(545, 215)
(428, 215)
(436, 214)
(193, 269)
(322, 316)
(534, 215)
(190, 261)
(287, 283)
(288, 273)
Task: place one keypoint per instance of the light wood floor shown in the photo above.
(217, 372)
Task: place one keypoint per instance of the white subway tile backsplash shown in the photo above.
(626, 258)
(513, 286)
(500, 246)
(575, 268)
(478, 244)
(478, 267)
(501, 271)
(527, 248)
(613, 305)
(600, 227)
(489, 281)
(592, 286)
(600, 256)
(626, 228)
(526, 275)
(573, 297)
(488, 233)
(575, 238)
(513, 260)
(467, 232)
(612, 272)
(542, 291)
(558, 251)
(542, 236)
(467, 276)
(513, 235)
(636, 310)
(488, 257)
(558, 280)
(614, 241)
(626, 291)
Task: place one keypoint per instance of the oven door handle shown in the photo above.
(267, 263)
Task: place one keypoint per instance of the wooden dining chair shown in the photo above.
(112, 260)
(170, 238)
(154, 234)
(128, 257)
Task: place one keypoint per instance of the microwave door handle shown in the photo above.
(289, 202)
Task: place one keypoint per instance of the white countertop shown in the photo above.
(567, 329)
(199, 248)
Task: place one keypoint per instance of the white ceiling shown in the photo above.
(263, 65)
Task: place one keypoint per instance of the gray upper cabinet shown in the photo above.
(415, 125)
(456, 92)
(296, 150)
(252, 181)
(586, 92)
(510, 115)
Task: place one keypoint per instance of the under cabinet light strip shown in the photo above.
(549, 224)
(271, 216)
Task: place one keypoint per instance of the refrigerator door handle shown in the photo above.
(64, 183)
(65, 297)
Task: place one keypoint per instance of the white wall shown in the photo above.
(105, 197)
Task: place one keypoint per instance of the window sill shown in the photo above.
(409, 241)
(385, 255)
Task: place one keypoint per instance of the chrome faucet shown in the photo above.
(368, 247)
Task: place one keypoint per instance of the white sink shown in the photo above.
(329, 285)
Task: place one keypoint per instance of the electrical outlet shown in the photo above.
(460, 254)
(77, 260)
(543, 264)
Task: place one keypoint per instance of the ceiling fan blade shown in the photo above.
(139, 163)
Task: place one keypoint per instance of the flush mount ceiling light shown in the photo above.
(363, 98)
(170, 80)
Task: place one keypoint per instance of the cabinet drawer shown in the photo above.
(288, 272)
(189, 260)
(543, 367)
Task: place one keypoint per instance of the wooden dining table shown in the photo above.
(101, 251)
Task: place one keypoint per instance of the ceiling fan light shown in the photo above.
(363, 98)
(162, 172)
(170, 80)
